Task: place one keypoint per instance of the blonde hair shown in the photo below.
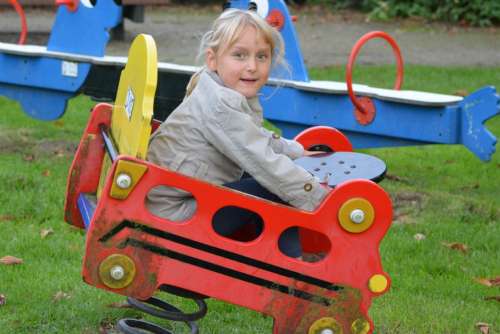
(227, 28)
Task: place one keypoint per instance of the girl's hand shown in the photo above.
(313, 153)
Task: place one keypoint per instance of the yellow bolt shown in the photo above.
(356, 215)
(377, 283)
(360, 326)
(117, 271)
(325, 325)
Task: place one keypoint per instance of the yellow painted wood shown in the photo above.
(344, 215)
(325, 323)
(360, 326)
(106, 165)
(133, 108)
(378, 283)
(112, 262)
(134, 170)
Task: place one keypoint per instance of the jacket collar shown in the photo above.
(250, 106)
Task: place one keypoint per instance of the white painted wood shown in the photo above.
(325, 87)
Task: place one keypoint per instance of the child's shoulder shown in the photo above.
(213, 92)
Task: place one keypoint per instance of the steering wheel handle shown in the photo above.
(363, 105)
(22, 16)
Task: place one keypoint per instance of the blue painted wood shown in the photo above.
(392, 119)
(85, 31)
(40, 72)
(42, 104)
(476, 109)
(38, 83)
(87, 205)
(395, 124)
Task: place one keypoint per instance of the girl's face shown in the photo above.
(245, 65)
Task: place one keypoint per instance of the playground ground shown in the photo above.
(326, 37)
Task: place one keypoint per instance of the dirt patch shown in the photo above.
(60, 148)
(14, 141)
(406, 206)
(19, 142)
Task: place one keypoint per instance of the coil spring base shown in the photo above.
(161, 309)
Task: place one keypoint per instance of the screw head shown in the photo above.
(327, 331)
(357, 216)
(326, 325)
(123, 181)
(117, 272)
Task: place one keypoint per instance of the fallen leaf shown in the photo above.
(483, 281)
(456, 246)
(5, 218)
(106, 326)
(471, 187)
(495, 281)
(60, 295)
(59, 123)
(59, 153)
(9, 260)
(401, 218)
(461, 92)
(497, 298)
(122, 304)
(483, 327)
(46, 232)
(419, 236)
(3, 300)
(29, 157)
(488, 281)
(395, 178)
(46, 172)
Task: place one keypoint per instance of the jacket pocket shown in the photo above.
(190, 167)
(176, 163)
(202, 170)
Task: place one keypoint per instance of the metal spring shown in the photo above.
(161, 309)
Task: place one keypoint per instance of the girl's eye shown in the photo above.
(239, 55)
(262, 57)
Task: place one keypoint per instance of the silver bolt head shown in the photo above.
(117, 272)
(327, 331)
(123, 181)
(357, 216)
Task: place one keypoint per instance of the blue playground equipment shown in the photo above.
(42, 79)
(401, 118)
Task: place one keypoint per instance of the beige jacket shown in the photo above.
(215, 135)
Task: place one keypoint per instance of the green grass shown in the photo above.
(443, 192)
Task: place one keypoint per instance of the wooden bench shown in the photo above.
(130, 251)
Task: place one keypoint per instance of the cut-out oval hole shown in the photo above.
(315, 245)
(171, 203)
(237, 223)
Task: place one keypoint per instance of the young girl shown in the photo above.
(216, 134)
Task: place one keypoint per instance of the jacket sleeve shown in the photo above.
(236, 136)
(290, 148)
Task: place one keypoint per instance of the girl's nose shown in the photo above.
(251, 64)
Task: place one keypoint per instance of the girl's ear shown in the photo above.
(211, 60)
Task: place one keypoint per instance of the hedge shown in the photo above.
(471, 12)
